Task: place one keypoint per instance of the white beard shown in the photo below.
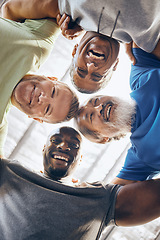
(124, 115)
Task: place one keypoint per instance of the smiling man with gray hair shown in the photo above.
(103, 118)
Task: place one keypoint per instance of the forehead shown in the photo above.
(66, 133)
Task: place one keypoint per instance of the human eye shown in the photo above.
(96, 101)
(81, 72)
(93, 101)
(96, 77)
(91, 117)
(47, 109)
(74, 145)
(52, 93)
(56, 141)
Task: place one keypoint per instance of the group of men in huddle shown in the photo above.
(37, 206)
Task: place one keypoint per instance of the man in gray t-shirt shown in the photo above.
(43, 206)
(107, 23)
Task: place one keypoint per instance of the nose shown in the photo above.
(63, 146)
(91, 66)
(43, 98)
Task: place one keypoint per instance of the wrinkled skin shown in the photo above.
(42, 99)
(104, 117)
(95, 56)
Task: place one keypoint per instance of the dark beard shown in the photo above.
(57, 173)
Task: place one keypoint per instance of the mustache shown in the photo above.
(61, 154)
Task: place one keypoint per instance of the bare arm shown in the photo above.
(128, 50)
(156, 51)
(121, 181)
(138, 203)
(19, 10)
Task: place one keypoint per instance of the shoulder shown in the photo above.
(146, 67)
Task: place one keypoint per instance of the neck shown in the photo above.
(65, 180)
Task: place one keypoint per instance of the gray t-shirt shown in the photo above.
(33, 207)
(123, 20)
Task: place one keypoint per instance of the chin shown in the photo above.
(124, 114)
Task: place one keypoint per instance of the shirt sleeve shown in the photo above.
(3, 134)
(135, 169)
(112, 190)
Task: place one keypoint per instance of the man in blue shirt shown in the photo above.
(142, 160)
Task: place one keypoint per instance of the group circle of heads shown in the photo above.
(99, 119)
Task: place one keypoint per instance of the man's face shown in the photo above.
(106, 116)
(95, 56)
(61, 153)
(42, 99)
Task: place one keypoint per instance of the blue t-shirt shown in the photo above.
(143, 158)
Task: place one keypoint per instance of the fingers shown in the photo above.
(128, 49)
(69, 29)
(63, 22)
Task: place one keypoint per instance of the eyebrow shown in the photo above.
(74, 138)
(50, 110)
(56, 135)
(60, 135)
(96, 77)
(79, 74)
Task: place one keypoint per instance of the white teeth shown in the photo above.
(60, 157)
(95, 56)
(108, 111)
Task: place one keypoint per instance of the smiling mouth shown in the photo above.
(96, 54)
(60, 157)
(106, 111)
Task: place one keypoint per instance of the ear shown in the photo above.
(43, 148)
(74, 50)
(53, 78)
(104, 140)
(39, 120)
(115, 65)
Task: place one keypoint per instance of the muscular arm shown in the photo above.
(138, 203)
(19, 10)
